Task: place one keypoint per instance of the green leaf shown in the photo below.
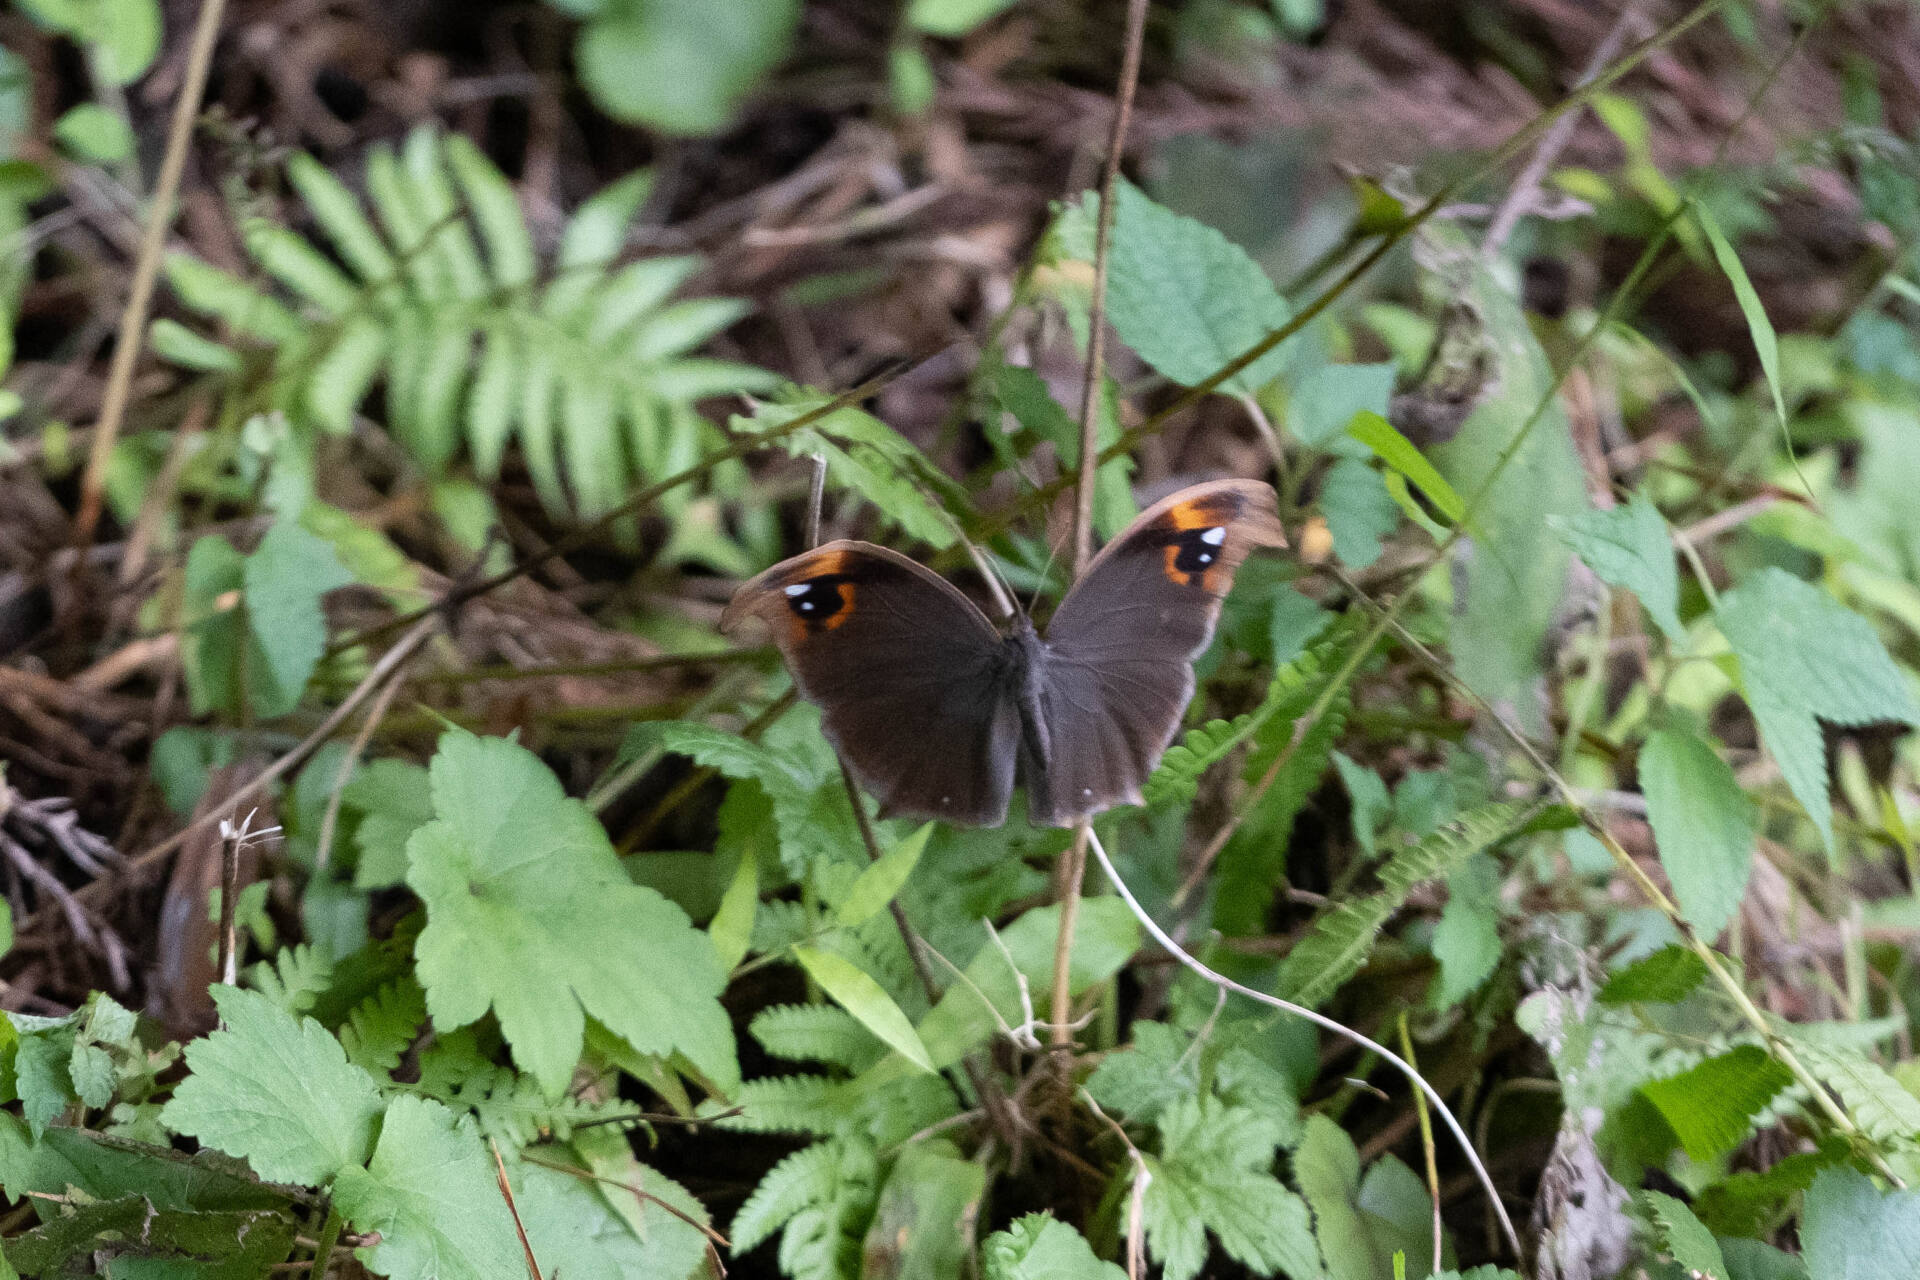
(41, 1075)
(1359, 511)
(1765, 344)
(124, 38)
(1803, 654)
(284, 579)
(815, 1033)
(1630, 547)
(1141, 1081)
(880, 883)
(856, 992)
(576, 1228)
(1338, 943)
(384, 1026)
(1024, 394)
(683, 66)
(1466, 942)
(1703, 822)
(1883, 1109)
(1665, 977)
(1326, 1166)
(1710, 1106)
(1105, 936)
(1367, 796)
(952, 18)
(1687, 1242)
(732, 925)
(431, 1193)
(394, 799)
(1041, 1247)
(1214, 1174)
(275, 1091)
(128, 1232)
(1852, 1230)
(1398, 452)
(1330, 400)
(931, 1189)
(1187, 299)
(530, 914)
(91, 133)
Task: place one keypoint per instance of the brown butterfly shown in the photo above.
(937, 711)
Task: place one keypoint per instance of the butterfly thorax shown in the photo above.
(1026, 655)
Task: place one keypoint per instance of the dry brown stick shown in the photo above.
(146, 269)
(1073, 867)
(506, 1193)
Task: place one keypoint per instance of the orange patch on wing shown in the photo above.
(1181, 578)
(845, 610)
(1202, 513)
(818, 565)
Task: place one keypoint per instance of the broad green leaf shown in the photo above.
(952, 18)
(1466, 942)
(93, 134)
(124, 38)
(1187, 299)
(1326, 1167)
(284, 579)
(1710, 1106)
(732, 925)
(578, 1229)
(1852, 1230)
(1398, 452)
(1359, 511)
(129, 1232)
(394, 799)
(1883, 1109)
(1139, 1082)
(880, 883)
(1517, 572)
(41, 1075)
(1668, 975)
(683, 66)
(431, 1194)
(1803, 654)
(1105, 937)
(529, 914)
(856, 992)
(1041, 1247)
(1765, 344)
(1328, 400)
(1630, 547)
(1214, 1175)
(276, 1091)
(1687, 1242)
(1703, 822)
(931, 1189)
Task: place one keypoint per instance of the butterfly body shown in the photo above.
(938, 712)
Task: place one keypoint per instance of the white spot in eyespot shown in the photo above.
(1085, 792)
(1214, 537)
(1205, 557)
(799, 588)
(946, 799)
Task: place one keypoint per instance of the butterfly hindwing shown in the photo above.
(909, 675)
(1120, 648)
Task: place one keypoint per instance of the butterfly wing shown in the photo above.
(909, 676)
(1119, 652)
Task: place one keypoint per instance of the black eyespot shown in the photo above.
(1199, 550)
(816, 601)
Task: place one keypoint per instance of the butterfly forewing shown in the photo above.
(1120, 649)
(910, 677)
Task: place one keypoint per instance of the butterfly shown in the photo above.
(937, 711)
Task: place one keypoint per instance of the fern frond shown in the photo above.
(816, 1033)
(383, 1026)
(1340, 938)
(794, 1104)
(295, 978)
(1293, 688)
(807, 1177)
(438, 297)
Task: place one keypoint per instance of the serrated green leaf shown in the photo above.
(1710, 1106)
(1213, 1175)
(1041, 1247)
(1668, 975)
(1703, 823)
(1686, 1241)
(384, 1026)
(41, 1077)
(1466, 941)
(576, 1231)
(1359, 511)
(530, 914)
(1140, 1081)
(1630, 547)
(284, 579)
(1187, 299)
(275, 1091)
(1852, 1230)
(227, 298)
(430, 1193)
(856, 992)
(394, 799)
(1883, 1109)
(1803, 654)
